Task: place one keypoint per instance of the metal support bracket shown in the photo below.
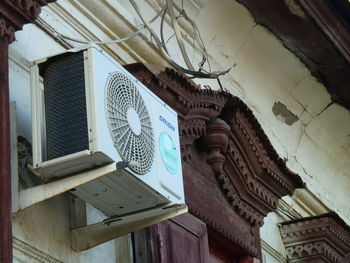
(36, 194)
(14, 157)
(86, 237)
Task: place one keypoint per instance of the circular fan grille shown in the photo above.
(129, 122)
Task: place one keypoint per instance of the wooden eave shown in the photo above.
(320, 237)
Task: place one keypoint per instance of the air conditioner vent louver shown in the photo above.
(129, 122)
(65, 106)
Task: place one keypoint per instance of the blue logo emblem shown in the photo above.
(170, 126)
(169, 153)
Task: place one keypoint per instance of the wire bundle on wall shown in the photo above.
(162, 44)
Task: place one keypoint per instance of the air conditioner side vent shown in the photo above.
(65, 106)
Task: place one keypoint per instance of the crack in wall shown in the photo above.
(286, 154)
(325, 108)
(302, 167)
(234, 56)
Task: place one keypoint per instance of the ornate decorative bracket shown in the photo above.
(6, 30)
(216, 142)
(324, 238)
(15, 13)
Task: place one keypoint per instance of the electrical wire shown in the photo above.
(178, 34)
(132, 35)
(161, 43)
(202, 49)
(161, 46)
(199, 40)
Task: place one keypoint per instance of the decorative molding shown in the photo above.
(28, 253)
(309, 203)
(242, 240)
(6, 30)
(245, 126)
(258, 165)
(215, 142)
(247, 209)
(15, 13)
(272, 252)
(317, 249)
(287, 210)
(325, 236)
(223, 146)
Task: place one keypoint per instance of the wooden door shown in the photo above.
(185, 239)
(182, 239)
(221, 249)
(221, 256)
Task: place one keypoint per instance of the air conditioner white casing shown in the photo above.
(126, 190)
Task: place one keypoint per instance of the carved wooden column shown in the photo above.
(13, 15)
(317, 239)
(215, 142)
(5, 173)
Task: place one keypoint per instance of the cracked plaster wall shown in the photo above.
(317, 145)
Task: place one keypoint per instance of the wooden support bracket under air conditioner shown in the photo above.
(88, 236)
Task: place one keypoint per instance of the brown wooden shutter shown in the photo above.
(182, 239)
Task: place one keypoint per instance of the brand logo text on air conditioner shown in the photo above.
(170, 126)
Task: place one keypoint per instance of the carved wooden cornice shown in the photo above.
(222, 141)
(254, 163)
(187, 99)
(15, 13)
(324, 238)
(245, 240)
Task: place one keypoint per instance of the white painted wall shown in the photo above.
(46, 227)
(317, 146)
(272, 246)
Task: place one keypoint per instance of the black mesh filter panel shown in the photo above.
(65, 106)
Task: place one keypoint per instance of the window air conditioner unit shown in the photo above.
(90, 112)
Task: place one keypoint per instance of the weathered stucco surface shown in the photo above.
(317, 145)
(46, 226)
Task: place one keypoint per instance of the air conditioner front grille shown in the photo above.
(129, 122)
(65, 106)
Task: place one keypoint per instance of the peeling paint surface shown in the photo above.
(295, 9)
(283, 114)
